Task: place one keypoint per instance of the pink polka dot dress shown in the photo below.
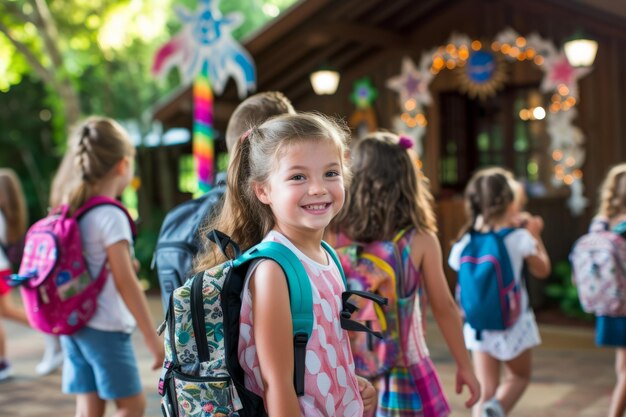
(330, 384)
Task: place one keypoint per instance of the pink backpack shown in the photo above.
(599, 272)
(58, 292)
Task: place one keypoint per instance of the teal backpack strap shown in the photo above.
(300, 299)
(333, 255)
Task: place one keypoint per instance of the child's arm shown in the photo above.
(539, 263)
(445, 310)
(273, 334)
(127, 284)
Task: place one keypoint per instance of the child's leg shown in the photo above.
(618, 400)
(3, 351)
(487, 370)
(516, 379)
(133, 406)
(9, 311)
(90, 405)
(52, 358)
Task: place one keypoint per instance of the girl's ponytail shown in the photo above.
(80, 191)
(96, 146)
(487, 196)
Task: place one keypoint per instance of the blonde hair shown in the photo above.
(243, 217)
(96, 146)
(488, 194)
(385, 178)
(613, 192)
(253, 111)
(12, 205)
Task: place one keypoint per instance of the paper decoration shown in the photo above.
(477, 65)
(206, 52)
(206, 37)
(482, 74)
(202, 145)
(411, 84)
(363, 120)
(560, 73)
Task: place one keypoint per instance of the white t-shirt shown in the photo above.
(4, 260)
(506, 344)
(100, 228)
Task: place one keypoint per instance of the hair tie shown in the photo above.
(245, 134)
(405, 142)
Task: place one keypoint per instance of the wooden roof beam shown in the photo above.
(360, 33)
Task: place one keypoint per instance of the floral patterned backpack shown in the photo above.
(201, 373)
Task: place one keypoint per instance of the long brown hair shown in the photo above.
(12, 205)
(243, 217)
(387, 193)
(96, 146)
(613, 192)
(488, 194)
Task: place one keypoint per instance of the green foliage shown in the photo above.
(105, 49)
(562, 291)
(144, 250)
(26, 142)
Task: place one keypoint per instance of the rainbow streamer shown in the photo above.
(203, 150)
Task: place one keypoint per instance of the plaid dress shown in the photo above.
(411, 389)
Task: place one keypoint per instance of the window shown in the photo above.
(507, 130)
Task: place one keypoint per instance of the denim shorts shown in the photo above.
(102, 362)
(611, 331)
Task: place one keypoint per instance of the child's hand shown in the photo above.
(368, 395)
(156, 348)
(136, 265)
(535, 225)
(467, 377)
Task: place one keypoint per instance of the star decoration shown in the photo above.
(363, 93)
(411, 84)
(559, 71)
(205, 39)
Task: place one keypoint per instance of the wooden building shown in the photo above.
(369, 38)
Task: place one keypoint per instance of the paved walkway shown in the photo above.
(571, 377)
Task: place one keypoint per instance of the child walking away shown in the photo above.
(397, 254)
(499, 325)
(100, 363)
(12, 227)
(599, 271)
(285, 184)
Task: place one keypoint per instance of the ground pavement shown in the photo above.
(571, 377)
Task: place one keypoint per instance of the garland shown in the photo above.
(482, 74)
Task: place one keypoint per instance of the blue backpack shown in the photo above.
(487, 291)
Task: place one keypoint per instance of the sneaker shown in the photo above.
(52, 357)
(6, 371)
(492, 408)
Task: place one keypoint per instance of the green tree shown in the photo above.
(86, 57)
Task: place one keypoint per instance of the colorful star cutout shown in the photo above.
(363, 93)
(560, 72)
(411, 84)
(206, 39)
